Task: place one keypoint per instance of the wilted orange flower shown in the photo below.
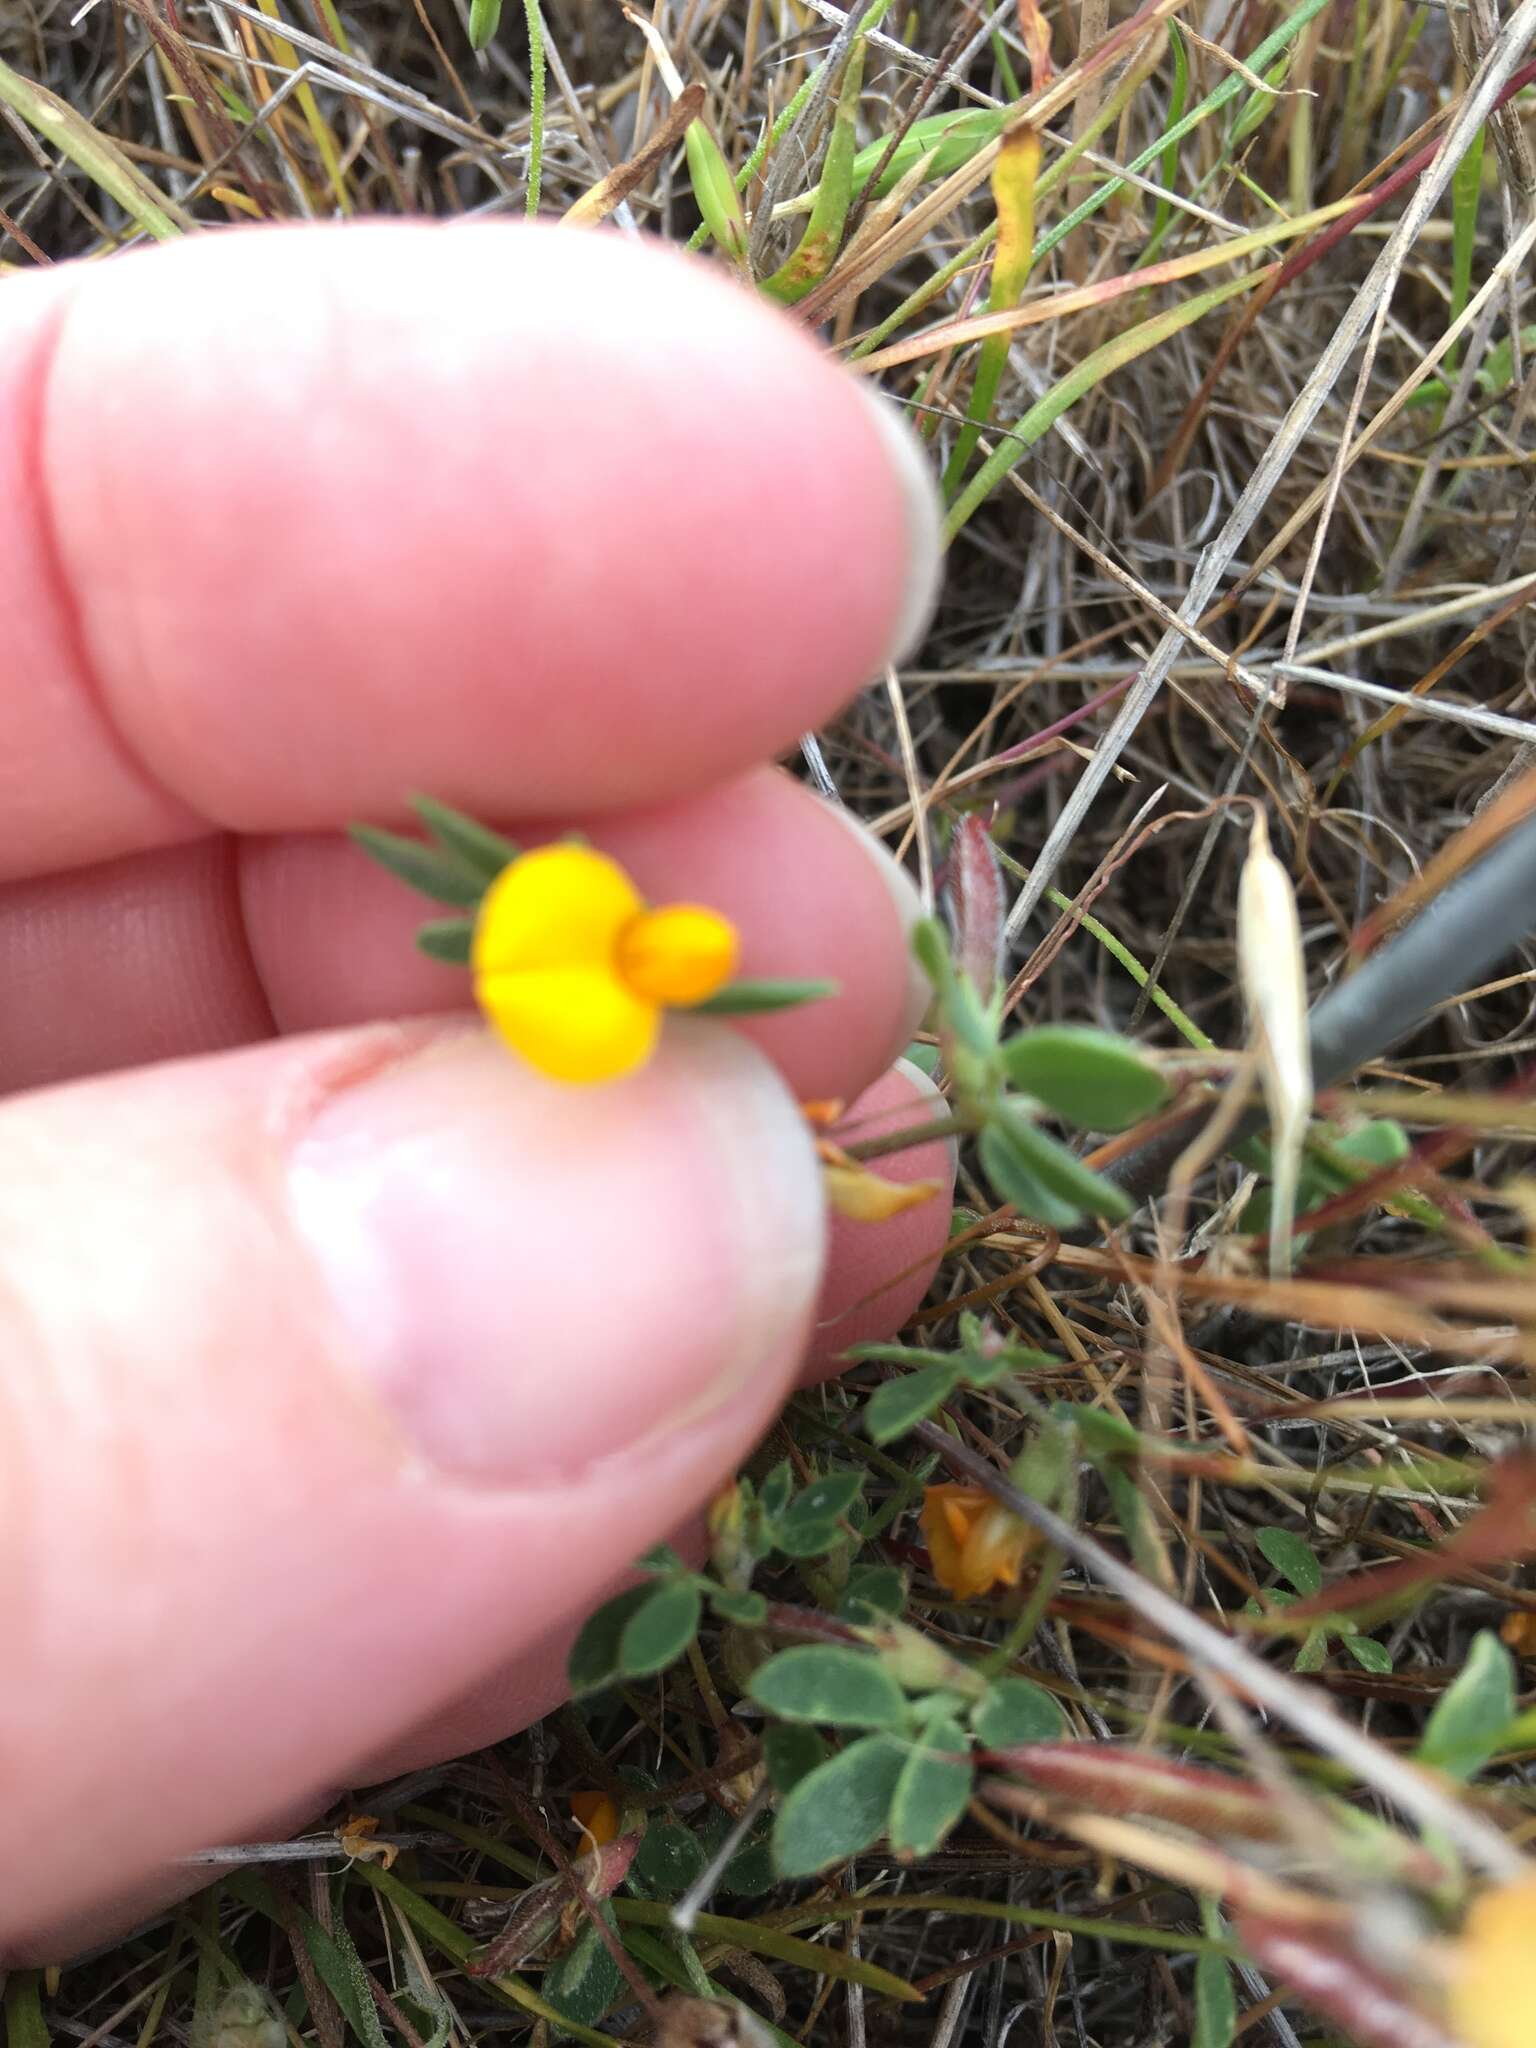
(865, 1197)
(596, 1815)
(1493, 1991)
(973, 1544)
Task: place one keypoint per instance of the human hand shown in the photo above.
(345, 1364)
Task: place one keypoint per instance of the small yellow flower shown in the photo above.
(1492, 1993)
(573, 969)
(973, 1544)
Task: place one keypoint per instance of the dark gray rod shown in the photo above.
(1449, 946)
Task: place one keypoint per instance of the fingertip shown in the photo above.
(487, 491)
(439, 1198)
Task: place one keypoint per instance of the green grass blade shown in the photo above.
(1065, 393)
(1015, 177)
(759, 1940)
(1466, 190)
(1168, 161)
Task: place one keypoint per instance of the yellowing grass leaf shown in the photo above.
(1013, 193)
(813, 256)
(952, 333)
(95, 154)
(1014, 177)
(1035, 34)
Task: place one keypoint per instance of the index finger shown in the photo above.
(304, 519)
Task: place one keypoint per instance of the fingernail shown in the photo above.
(908, 905)
(925, 521)
(533, 1278)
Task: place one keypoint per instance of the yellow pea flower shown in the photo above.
(573, 969)
(1493, 1992)
(973, 1544)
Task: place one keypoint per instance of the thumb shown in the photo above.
(332, 1374)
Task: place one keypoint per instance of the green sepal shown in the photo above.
(431, 871)
(1039, 1162)
(448, 939)
(484, 20)
(757, 998)
(474, 844)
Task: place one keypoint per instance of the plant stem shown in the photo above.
(535, 104)
(952, 1126)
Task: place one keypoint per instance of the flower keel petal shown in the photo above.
(572, 1023)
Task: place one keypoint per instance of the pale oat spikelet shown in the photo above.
(1273, 975)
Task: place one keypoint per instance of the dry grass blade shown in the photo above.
(1301, 1709)
(96, 154)
(1367, 311)
(610, 191)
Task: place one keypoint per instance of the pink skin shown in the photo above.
(561, 530)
